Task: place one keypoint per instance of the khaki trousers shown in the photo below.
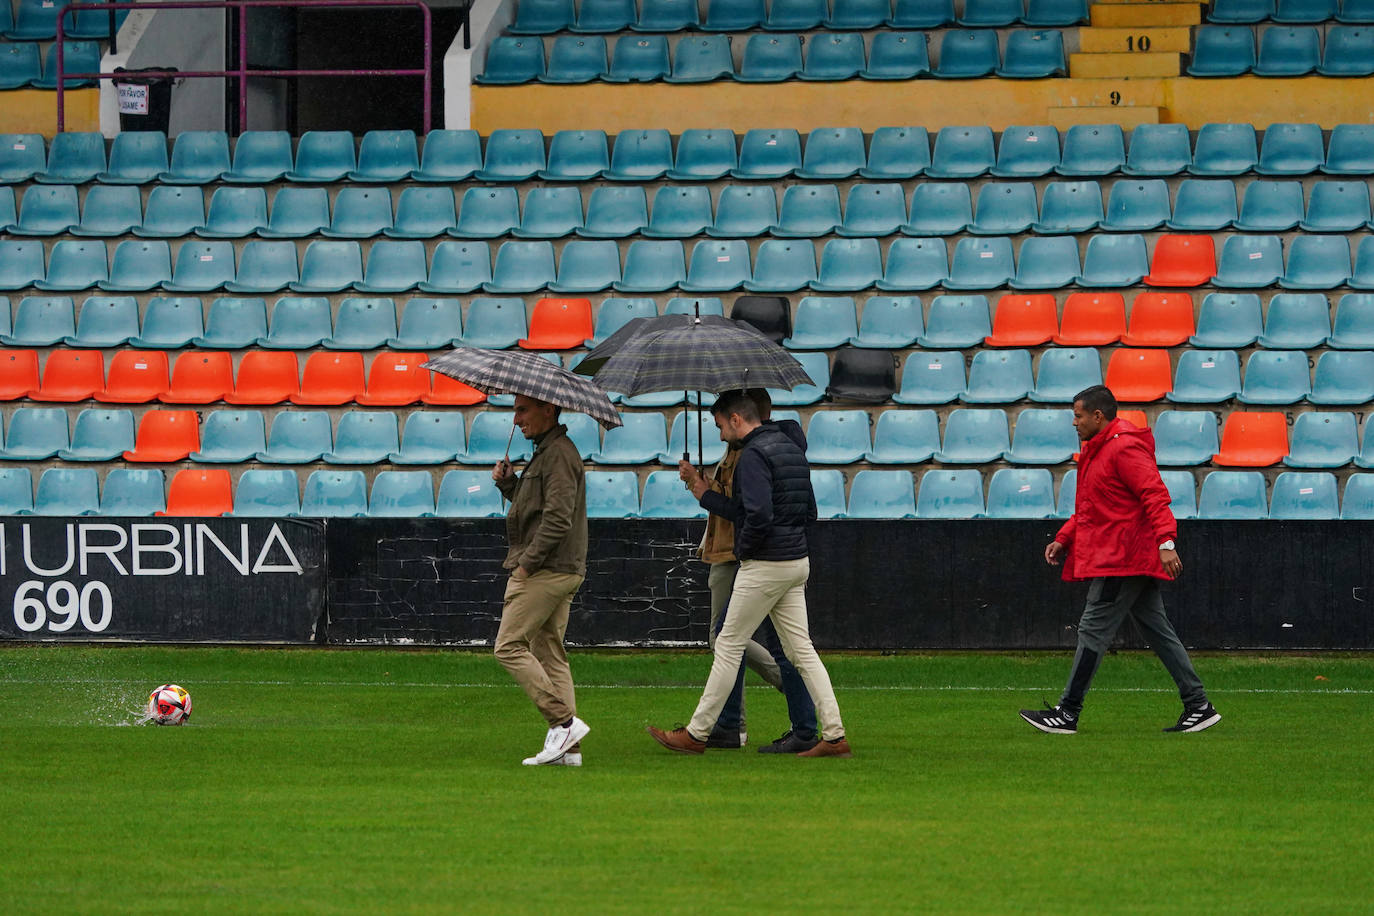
(529, 643)
(762, 589)
(722, 581)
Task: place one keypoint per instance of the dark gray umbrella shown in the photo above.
(521, 372)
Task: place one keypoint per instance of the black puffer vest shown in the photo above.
(784, 472)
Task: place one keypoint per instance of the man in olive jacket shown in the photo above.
(547, 559)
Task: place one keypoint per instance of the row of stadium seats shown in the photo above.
(740, 211)
(1287, 51)
(778, 265)
(1294, 321)
(773, 58)
(1041, 436)
(942, 494)
(20, 65)
(36, 20)
(895, 153)
(545, 17)
(1291, 11)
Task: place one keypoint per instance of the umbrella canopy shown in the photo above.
(690, 353)
(521, 372)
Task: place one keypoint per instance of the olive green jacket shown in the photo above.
(547, 521)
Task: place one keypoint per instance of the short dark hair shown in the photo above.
(1098, 397)
(736, 402)
(762, 400)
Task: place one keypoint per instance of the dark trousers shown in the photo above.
(1110, 599)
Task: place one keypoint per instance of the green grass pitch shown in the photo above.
(390, 782)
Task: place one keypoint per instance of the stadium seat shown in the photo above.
(323, 156)
(1288, 51)
(613, 494)
(1182, 493)
(201, 267)
(1182, 260)
(487, 213)
(137, 266)
(1222, 51)
(982, 263)
(1252, 440)
(21, 157)
(165, 436)
(717, 266)
(559, 324)
(897, 153)
(135, 377)
(652, 266)
(1225, 149)
(298, 323)
(330, 267)
(1228, 320)
(587, 267)
(1206, 377)
(1353, 326)
(1048, 262)
(1358, 11)
(494, 324)
(1317, 262)
(359, 213)
(889, 323)
(172, 212)
(704, 155)
(364, 324)
(640, 440)
(1159, 150)
(962, 152)
(1092, 149)
(770, 315)
(297, 213)
(542, 17)
(266, 493)
(1241, 11)
(100, 435)
(1343, 377)
(1137, 205)
(956, 322)
(931, 377)
(521, 267)
(234, 213)
(855, 264)
(35, 434)
(684, 212)
(386, 156)
(1337, 206)
(576, 155)
(701, 60)
(604, 16)
(921, 14)
(733, 15)
(231, 437)
(770, 58)
(265, 377)
(683, 439)
(817, 366)
(469, 494)
(1277, 377)
(950, 494)
(1033, 55)
(615, 213)
(136, 157)
(335, 494)
(873, 210)
(1357, 501)
(1070, 207)
(1270, 206)
(449, 156)
(882, 494)
(1064, 372)
(1023, 321)
(1233, 495)
(364, 437)
(46, 211)
(795, 15)
(41, 321)
(1249, 262)
(1291, 149)
(1092, 320)
(330, 379)
(1068, 492)
(1348, 51)
(974, 436)
(260, 157)
(1204, 205)
(1304, 495)
(613, 314)
(1296, 321)
(741, 212)
(823, 323)
(1138, 376)
(808, 211)
(19, 61)
(1323, 440)
(867, 376)
(904, 437)
(395, 380)
(198, 157)
(110, 210)
(513, 155)
(768, 154)
(430, 437)
(1043, 436)
(664, 497)
(298, 437)
(640, 155)
(1362, 277)
(200, 377)
(67, 491)
(1021, 493)
(393, 267)
(16, 491)
(966, 55)
(705, 306)
(826, 483)
(858, 14)
(638, 59)
(1159, 320)
(1004, 208)
(75, 265)
(897, 56)
(449, 392)
(1185, 438)
(939, 209)
(458, 267)
(834, 56)
(134, 492)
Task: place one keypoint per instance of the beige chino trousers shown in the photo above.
(529, 643)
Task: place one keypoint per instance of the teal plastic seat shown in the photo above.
(701, 60)
(882, 494)
(823, 323)
(982, 263)
(873, 211)
(42, 321)
(652, 266)
(73, 158)
(974, 436)
(838, 437)
(1291, 149)
(21, 158)
(639, 59)
(1159, 150)
(768, 154)
(1348, 51)
(991, 13)
(1277, 377)
(45, 211)
(1297, 321)
(110, 210)
(16, 491)
(681, 212)
(1070, 207)
(943, 208)
(1343, 377)
(323, 156)
(827, 484)
(487, 213)
(837, 56)
(365, 437)
(100, 434)
(744, 212)
(1206, 377)
(795, 15)
(1357, 500)
(1091, 150)
(35, 434)
(67, 491)
(1249, 262)
(265, 267)
(513, 155)
(914, 264)
(521, 267)
(334, 494)
(1137, 205)
(170, 323)
(1222, 51)
(1353, 326)
(1004, 208)
(1270, 206)
(1317, 262)
(1323, 440)
(587, 267)
(640, 440)
(260, 157)
(297, 213)
(1043, 436)
(136, 157)
(667, 16)
(1020, 493)
(1047, 262)
(394, 267)
(576, 155)
(1225, 149)
(962, 152)
(733, 15)
(430, 437)
(19, 62)
(298, 437)
(488, 439)
(1228, 320)
(897, 153)
(704, 155)
(1068, 493)
(202, 266)
(613, 314)
(386, 156)
(817, 366)
(469, 494)
(783, 265)
(967, 54)
(360, 213)
(363, 324)
(956, 322)
(234, 213)
(1033, 55)
(1065, 371)
(231, 437)
(640, 155)
(233, 324)
(80, 264)
(950, 494)
(1241, 11)
(298, 323)
(615, 213)
(543, 17)
(267, 493)
(1362, 277)
(605, 16)
(423, 213)
(704, 306)
(770, 58)
(1204, 205)
(859, 14)
(808, 211)
(1185, 438)
(1288, 51)
(921, 14)
(198, 157)
(932, 377)
(1337, 206)
(494, 324)
(718, 266)
(855, 264)
(998, 377)
(612, 494)
(897, 56)
(1027, 152)
(329, 267)
(551, 213)
(904, 437)
(1301, 495)
(665, 497)
(449, 156)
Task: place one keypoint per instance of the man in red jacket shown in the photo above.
(1121, 536)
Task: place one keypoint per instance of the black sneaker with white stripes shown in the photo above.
(1195, 720)
(1052, 719)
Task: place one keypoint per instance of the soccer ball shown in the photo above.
(169, 705)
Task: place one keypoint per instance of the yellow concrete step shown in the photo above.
(1127, 116)
(1139, 14)
(1125, 66)
(1135, 41)
(1200, 3)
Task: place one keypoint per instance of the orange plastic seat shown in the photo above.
(71, 375)
(1253, 440)
(396, 379)
(449, 392)
(200, 491)
(1139, 376)
(200, 377)
(1023, 321)
(559, 324)
(1092, 320)
(18, 374)
(331, 377)
(1160, 320)
(1182, 260)
(266, 377)
(166, 435)
(135, 377)
(1135, 416)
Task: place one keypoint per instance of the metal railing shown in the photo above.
(242, 74)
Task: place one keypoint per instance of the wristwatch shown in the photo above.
(1167, 545)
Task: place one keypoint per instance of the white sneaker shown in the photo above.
(559, 739)
(570, 759)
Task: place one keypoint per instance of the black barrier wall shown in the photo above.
(979, 584)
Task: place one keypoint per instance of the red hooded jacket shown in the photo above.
(1121, 510)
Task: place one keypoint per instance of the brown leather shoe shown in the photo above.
(838, 748)
(679, 740)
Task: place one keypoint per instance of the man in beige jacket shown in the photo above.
(547, 559)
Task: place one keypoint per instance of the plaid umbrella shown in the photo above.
(521, 372)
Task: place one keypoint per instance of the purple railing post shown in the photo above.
(61, 82)
(243, 68)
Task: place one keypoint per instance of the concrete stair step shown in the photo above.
(1127, 116)
(1142, 39)
(1125, 66)
(1142, 14)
